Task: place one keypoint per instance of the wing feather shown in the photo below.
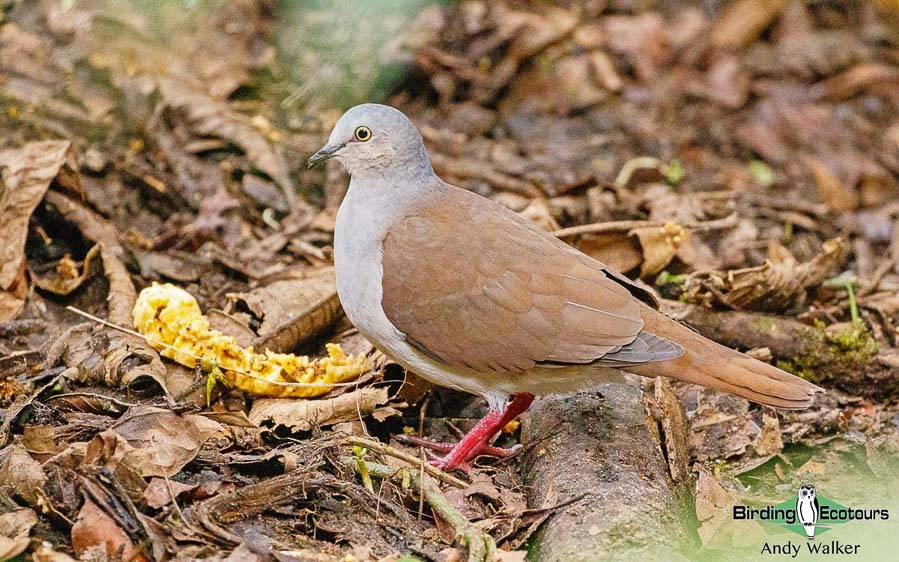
(504, 297)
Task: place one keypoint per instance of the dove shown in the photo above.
(468, 294)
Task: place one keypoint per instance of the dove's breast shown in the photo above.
(363, 222)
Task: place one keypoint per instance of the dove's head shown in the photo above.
(375, 139)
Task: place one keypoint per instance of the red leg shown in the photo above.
(476, 441)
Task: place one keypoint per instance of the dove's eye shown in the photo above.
(363, 134)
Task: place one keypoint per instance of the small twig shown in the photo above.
(626, 226)
(480, 545)
(168, 486)
(383, 449)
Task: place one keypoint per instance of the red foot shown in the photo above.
(476, 442)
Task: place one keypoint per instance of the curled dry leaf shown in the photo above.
(291, 311)
(22, 476)
(659, 244)
(110, 451)
(651, 247)
(25, 175)
(303, 415)
(95, 227)
(171, 320)
(93, 527)
(14, 528)
(67, 277)
(778, 284)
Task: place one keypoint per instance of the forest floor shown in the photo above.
(740, 158)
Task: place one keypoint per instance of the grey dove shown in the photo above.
(468, 294)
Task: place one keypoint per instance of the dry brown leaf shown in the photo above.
(291, 311)
(769, 441)
(159, 492)
(110, 451)
(22, 476)
(660, 244)
(303, 415)
(163, 442)
(615, 249)
(15, 526)
(640, 39)
(210, 118)
(743, 21)
(94, 227)
(93, 527)
(25, 175)
(651, 247)
(777, 285)
(855, 80)
(714, 505)
(834, 192)
(527, 33)
(40, 441)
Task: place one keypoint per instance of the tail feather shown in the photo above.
(713, 365)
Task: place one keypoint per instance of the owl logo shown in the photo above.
(807, 509)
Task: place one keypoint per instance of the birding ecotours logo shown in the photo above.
(809, 514)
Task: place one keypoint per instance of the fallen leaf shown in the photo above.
(743, 21)
(838, 196)
(660, 244)
(208, 117)
(40, 441)
(812, 468)
(15, 526)
(93, 527)
(303, 415)
(769, 441)
(25, 176)
(615, 249)
(717, 528)
(22, 476)
(110, 451)
(640, 39)
(163, 442)
(778, 284)
(157, 493)
(67, 278)
(290, 311)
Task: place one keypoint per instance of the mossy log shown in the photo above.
(845, 356)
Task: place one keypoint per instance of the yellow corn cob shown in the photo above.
(171, 320)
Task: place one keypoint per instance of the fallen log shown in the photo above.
(625, 456)
(842, 355)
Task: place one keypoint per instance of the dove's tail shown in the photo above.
(713, 365)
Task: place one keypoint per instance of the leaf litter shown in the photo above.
(737, 158)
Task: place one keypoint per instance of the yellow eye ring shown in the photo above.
(362, 134)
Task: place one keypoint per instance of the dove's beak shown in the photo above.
(325, 153)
